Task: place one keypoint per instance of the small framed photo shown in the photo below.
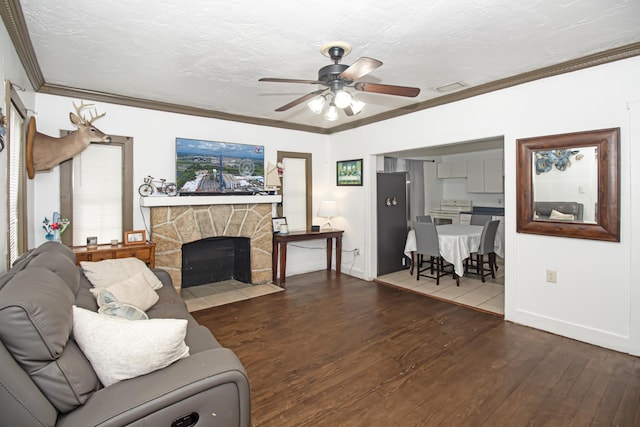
(277, 222)
(92, 241)
(349, 172)
(134, 237)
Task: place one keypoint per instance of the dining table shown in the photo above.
(456, 241)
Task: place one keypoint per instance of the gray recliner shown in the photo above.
(46, 380)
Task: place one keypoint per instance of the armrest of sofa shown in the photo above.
(163, 276)
(212, 383)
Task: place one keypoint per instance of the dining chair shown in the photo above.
(424, 218)
(427, 244)
(476, 261)
(479, 219)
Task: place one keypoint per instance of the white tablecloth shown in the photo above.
(457, 242)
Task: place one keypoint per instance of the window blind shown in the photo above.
(295, 203)
(97, 194)
(16, 130)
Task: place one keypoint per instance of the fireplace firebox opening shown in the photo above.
(216, 259)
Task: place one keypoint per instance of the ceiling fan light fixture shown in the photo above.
(342, 99)
(356, 105)
(317, 104)
(332, 113)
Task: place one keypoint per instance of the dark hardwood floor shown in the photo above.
(344, 352)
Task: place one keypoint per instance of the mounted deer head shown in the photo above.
(45, 152)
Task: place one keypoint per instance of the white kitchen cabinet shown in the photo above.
(485, 176)
(452, 170)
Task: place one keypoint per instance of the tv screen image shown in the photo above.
(213, 167)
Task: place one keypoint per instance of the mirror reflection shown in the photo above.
(565, 184)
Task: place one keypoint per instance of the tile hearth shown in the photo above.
(226, 292)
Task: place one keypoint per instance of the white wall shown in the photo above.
(590, 302)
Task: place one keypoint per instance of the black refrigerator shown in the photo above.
(391, 208)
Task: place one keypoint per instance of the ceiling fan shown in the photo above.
(336, 77)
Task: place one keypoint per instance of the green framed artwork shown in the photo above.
(349, 172)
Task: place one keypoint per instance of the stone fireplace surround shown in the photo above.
(174, 223)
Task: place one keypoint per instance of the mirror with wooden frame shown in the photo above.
(569, 185)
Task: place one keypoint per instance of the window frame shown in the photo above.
(13, 102)
(66, 185)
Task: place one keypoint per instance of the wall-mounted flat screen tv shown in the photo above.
(213, 167)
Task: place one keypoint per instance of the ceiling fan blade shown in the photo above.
(387, 89)
(361, 67)
(274, 80)
(300, 100)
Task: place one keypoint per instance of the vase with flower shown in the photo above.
(55, 227)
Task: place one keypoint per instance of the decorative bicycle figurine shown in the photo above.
(151, 186)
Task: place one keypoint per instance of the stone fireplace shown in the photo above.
(178, 224)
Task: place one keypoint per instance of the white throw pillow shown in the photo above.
(559, 215)
(119, 349)
(135, 291)
(105, 273)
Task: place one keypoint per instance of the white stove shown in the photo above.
(449, 212)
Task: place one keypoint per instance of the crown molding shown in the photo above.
(13, 18)
(14, 21)
(600, 58)
(171, 108)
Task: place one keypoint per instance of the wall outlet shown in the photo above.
(356, 252)
(552, 276)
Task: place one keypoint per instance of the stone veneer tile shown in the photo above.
(220, 216)
(187, 227)
(159, 215)
(167, 230)
(205, 225)
(176, 211)
(235, 222)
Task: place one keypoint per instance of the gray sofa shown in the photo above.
(46, 380)
(543, 209)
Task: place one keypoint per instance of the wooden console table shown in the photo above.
(145, 252)
(280, 246)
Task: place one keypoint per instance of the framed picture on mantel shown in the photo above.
(349, 172)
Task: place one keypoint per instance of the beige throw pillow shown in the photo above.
(119, 349)
(105, 273)
(135, 291)
(561, 216)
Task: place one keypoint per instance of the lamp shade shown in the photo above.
(328, 209)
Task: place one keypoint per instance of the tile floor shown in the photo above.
(488, 296)
(226, 292)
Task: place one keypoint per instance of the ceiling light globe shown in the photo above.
(343, 99)
(317, 104)
(332, 113)
(356, 106)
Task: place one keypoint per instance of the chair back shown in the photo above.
(488, 238)
(478, 219)
(423, 218)
(427, 239)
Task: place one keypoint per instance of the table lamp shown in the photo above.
(327, 210)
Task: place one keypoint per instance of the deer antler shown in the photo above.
(97, 116)
(81, 107)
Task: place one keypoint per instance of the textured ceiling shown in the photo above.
(209, 54)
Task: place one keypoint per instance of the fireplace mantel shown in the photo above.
(152, 201)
